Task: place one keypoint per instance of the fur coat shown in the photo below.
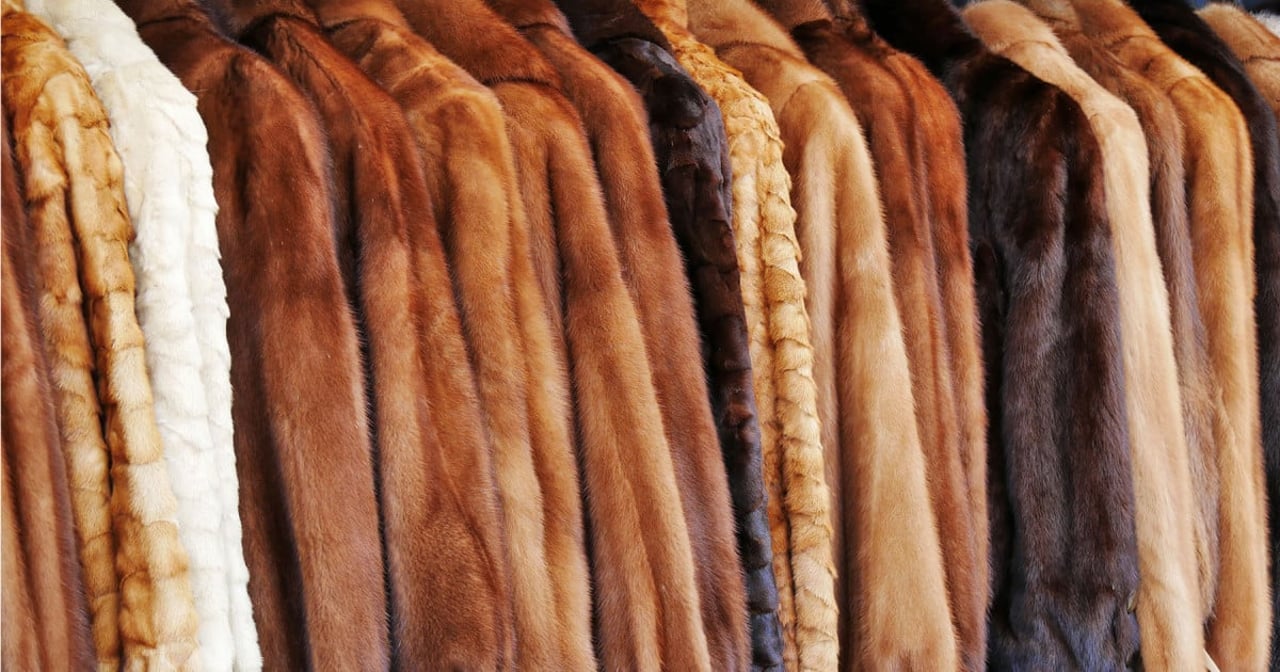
(393, 266)
(76, 204)
(1202, 407)
(1064, 553)
(153, 119)
(782, 356)
(1170, 611)
(520, 374)
(299, 540)
(645, 588)
(1219, 181)
(692, 154)
(881, 86)
(45, 616)
(617, 130)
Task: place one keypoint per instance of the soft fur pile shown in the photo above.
(1059, 454)
(289, 330)
(168, 186)
(1219, 181)
(44, 613)
(76, 201)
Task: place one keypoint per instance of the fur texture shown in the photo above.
(1170, 611)
(1219, 184)
(289, 331)
(616, 129)
(881, 93)
(154, 118)
(773, 292)
(692, 155)
(74, 185)
(1271, 21)
(45, 615)
(645, 592)
(1063, 562)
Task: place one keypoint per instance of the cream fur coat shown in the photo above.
(181, 306)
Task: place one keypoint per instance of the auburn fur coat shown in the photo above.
(290, 330)
(78, 214)
(692, 154)
(645, 592)
(1201, 402)
(782, 356)
(1169, 603)
(881, 90)
(1064, 553)
(44, 613)
(153, 118)
(1219, 184)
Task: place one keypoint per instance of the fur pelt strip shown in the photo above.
(1078, 451)
(45, 615)
(153, 118)
(74, 184)
(616, 129)
(289, 331)
(581, 280)
(1219, 188)
(782, 355)
(521, 376)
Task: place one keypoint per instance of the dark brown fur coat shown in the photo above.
(1062, 504)
(315, 560)
(45, 616)
(642, 559)
(687, 133)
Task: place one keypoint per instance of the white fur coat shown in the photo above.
(181, 306)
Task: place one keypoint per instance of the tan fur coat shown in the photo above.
(1219, 189)
(1169, 602)
(76, 203)
(45, 616)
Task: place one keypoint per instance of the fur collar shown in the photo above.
(478, 39)
(725, 23)
(334, 12)
(528, 13)
(596, 21)
(1248, 37)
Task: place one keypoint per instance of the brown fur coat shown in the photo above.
(617, 130)
(645, 588)
(76, 203)
(1170, 612)
(521, 378)
(45, 616)
(692, 153)
(300, 540)
(1060, 489)
(1219, 185)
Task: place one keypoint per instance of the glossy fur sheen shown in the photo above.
(688, 139)
(881, 85)
(646, 593)
(45, 616)
(1064, 551)
(780, 337)
(290, 330)
(1201, 401)
(1169, 601)
(1222, 199)
(79, 218)
(617, 129)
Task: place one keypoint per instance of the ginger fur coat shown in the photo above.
(1078, 450)
(1219, 183)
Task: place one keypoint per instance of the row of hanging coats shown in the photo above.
(640, 335)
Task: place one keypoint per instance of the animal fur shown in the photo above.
(692, 156)
(1059, 455)
(45, 615)
(1270, 21)
(522, 379)
(1219, 181)
(616, 129)
(289, 331)
(645, 592)
(74, 185)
